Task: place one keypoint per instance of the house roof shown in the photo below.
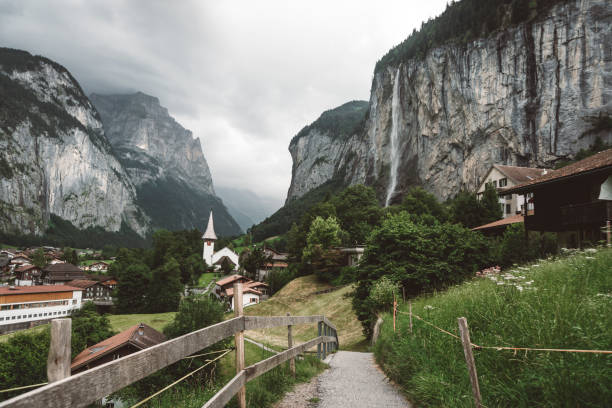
(230, 279)
(62, 267)
(500, 223)
(210, 229)
(520, 174)
(82, 283)
(150, 337)
(99, 263)
(26, 268)
(20, 290)
(255, 284)
(277, 265)
(599, 162)
(220, 260)
(229, 292)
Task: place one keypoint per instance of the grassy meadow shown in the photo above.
(561, 303)
(298, 298)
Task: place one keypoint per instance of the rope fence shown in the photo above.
(468, 346)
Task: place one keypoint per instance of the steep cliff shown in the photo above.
(528, 95)
(165, 162)
(54, 158)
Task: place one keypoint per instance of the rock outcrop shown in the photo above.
(165, 162)
(528, 95)
(54, 158)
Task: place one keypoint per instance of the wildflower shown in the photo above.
(590, 251)
(428, 307)
(589, 257)
(519, 287)
(528, 282)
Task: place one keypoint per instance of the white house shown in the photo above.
(250, 297)
(209, 255)
(26, 306)
(502, 177)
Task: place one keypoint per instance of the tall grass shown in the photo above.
(564, 303)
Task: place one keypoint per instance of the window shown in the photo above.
(503, 182)
(508, 209)
(1, 319)
(495, 183)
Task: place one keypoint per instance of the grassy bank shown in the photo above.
(299, 298)
(565, 303)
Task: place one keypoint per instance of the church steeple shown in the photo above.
(209, 238)
(210, 230)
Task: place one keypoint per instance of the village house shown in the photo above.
(352, 255)
(99, 266)
(94, 291)
(28, 275)
(216, 258)
(503, 177)
(136, 338)
(61, 273)
(22, 307)
(574, 201)
(253, 292)
(278, 260)
(54, 261)
(18, 261)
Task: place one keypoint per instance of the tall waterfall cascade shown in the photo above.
(394, 138)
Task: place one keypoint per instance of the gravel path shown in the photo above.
(355, 381)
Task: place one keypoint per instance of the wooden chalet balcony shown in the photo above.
(594, 213)
(569, 217)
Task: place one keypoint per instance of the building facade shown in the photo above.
(22, 307)
(503, 177)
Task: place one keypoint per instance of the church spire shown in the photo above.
(210, 230)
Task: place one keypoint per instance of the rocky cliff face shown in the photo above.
(527, 96)
(166, 163)
(54, 158)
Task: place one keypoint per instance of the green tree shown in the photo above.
(491, 209)
(418, 201)
(132, 288)
(323, 234)
(358, 212)
(39, 258)
(466, 210)
(192, 268)
(70, 256)
(417, 255)
(253, 259)
(194, 312)
(165, 288)
(89, 328)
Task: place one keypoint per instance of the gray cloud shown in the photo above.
(244, 76)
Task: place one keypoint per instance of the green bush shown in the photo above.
(420, 257)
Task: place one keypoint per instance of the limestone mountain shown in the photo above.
(165, 162)
(54, 158)
(532, 91)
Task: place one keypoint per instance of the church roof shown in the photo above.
(210, 229)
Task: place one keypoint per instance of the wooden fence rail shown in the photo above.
(89, 386)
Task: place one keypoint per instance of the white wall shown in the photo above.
(40, 313)
(248, 299)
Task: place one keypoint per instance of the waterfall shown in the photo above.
(394, 136)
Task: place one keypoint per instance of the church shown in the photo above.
(216, 258)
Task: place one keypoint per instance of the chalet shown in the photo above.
(261, 287)
(503, 177)
(100, 266)
(28, 275)
(227, 283)
(93, 290)
(54, 261)
(575, 201)
(61, 273)
(278, 260)
(136, 338)
(8, 253)
(22, 307)
(208, 253)
(18, 261)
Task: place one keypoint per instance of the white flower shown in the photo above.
(589, 257)
(428, 307)
(528, 282)
(500, 283)
(519, 287)
(590, 251)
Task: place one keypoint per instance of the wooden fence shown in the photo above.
(92, 385)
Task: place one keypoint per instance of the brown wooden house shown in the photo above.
(575, 201)
(136, 338)
(61, 273)
(93, 290)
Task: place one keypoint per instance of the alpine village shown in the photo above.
(445, 243)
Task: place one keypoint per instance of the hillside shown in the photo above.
(298, 298)
(555, 303)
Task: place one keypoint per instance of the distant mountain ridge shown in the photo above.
(56, 159)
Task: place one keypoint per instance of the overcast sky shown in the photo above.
(244, 76)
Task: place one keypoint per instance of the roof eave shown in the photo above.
(535, 186)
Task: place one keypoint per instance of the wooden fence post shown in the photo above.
(469, 359)
(319, 345)
(58, 361)
(239, 340)
(410, 313)
(394, 311)
(290, 344)
(608, 233)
